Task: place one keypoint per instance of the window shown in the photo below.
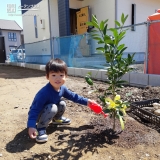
(12, 36)
(133, 17)
(35, 26)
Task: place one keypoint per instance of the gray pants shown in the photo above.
(49, 112)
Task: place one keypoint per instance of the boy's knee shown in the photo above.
(54, 108)
(61, 106)
(62, 103)
(51, 108)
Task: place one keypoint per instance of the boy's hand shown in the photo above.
(90, 101)
(32, 133)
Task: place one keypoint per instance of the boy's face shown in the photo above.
(56, 79)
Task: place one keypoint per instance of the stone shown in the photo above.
(151, 109)
(157, 112)
(156, 105)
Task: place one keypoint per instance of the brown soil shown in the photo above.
(88, 137)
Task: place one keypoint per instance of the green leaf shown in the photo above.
(89, 74)
(125, 18)
(121, 46)
(108, 93)
(94, 19)
(101, 42)
(121, 122)
(95, 25)
(121, 35)
(108, 57)
(117, 23)
(114, 31)
(105, 29)
(102, 25)
(121, 113)
(123, 50)
(105, 21)
(107, 110)
(89, 80)
(100, 49)
(93, 31)
(108, 41)
(97, 38)
(89, 23)
(122, 18)
(95, 35)
(102, 98)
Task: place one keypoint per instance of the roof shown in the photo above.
(9, 25)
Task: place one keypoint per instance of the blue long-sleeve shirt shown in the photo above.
(47, 95)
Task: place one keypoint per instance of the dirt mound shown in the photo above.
(89, 136)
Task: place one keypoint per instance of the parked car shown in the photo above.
(18, 54)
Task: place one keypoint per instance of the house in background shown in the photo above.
(60, 18)
(10, 37)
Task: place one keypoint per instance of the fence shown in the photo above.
(153, 56)
(80, 50)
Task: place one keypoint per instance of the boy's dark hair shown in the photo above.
(56, 65)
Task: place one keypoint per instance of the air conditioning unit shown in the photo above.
(42, 24)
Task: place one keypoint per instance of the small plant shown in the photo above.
(118, 66)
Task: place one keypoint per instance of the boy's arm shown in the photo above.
(35, 109)
(75, 97)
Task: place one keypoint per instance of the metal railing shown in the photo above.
(80, 50)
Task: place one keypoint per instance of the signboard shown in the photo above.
(82, 18)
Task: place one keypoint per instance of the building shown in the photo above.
(45, 19)
(10, 37)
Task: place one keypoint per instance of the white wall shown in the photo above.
(144, 8)
(11, 43)
(54, 18)
(136, 41)
(103, 9)
(28, 23)
(74, 4)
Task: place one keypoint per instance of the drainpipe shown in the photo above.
(116, 11)
(147, 52)
(50, 31)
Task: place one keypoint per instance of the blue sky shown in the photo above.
(16, 15)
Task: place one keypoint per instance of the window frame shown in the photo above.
(35, 26)
(12, 36)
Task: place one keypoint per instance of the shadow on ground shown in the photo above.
(77, 141)
(20, 142)
(13, 72)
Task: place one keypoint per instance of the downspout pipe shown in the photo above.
(50, 31)
(116, 3)
(147, 51)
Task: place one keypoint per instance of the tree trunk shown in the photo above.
(114, 120)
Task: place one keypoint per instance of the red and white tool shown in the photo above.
(97, 109)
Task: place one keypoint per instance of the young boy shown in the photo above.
(47, 104)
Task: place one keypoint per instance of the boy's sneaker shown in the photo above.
(42, 136)
(61, 121)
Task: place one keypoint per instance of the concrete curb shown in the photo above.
(133, 79)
